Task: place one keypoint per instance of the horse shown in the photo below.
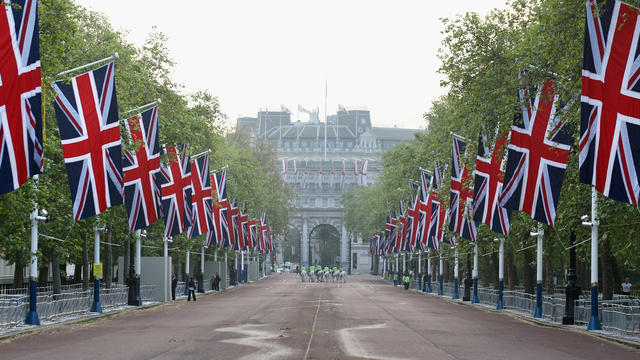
(343, 276)
(327, 276)
(303, 276)
(320, 275)
(312, 276)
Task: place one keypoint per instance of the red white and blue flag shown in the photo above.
(232, 215)
(176, 192)
(488, 185)
(87, 114)
(253, 234)
(461, 197)
(21, 146)
(537, 156)
(141, 170)
(220, 233)
(610, 115)
(201, 203)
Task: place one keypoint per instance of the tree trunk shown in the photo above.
(85, 264)
(55, 264)
(606, 262)
(529, 280)
(77, 273)
(18, 274)
(108, 263)
(446, 275)
(548, 272)
(43, 274)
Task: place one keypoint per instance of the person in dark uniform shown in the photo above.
(192, 290)
(174, 284)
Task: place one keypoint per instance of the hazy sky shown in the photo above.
(264, 53)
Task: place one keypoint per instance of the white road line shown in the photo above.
(351, 345)
(313, 328)
(262, 340)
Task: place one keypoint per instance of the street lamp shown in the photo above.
(539, 234)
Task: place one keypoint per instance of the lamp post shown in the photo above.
(167, 276)
(32, 316)
(594, 320)
(455, 295)
(201, 273)
(540, 234)
(500, 304)
(475, 299)
(419, 270)
(186, 282)
(429, 271)
(441, 287)
(97, 270)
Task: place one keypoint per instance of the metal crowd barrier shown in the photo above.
(620, 315)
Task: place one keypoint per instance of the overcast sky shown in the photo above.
(267, 53)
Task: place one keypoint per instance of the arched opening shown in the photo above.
(324, 246)
(291, 245)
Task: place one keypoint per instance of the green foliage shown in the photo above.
(71, 36)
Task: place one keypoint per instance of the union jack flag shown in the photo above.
(488, 184)
(253, 234)
(234, 234)
(438, 233)
(285, 109)
(176, 192)
(142, 170)
(87, 114)
(265, 238)
(21, 148)
(201, 203)
(537, 157)
(243, 231)
(363, 172)
(461, 195)
(429, 210)
(220, 232)
(610, 116)
(341, 108)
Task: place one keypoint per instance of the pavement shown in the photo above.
(282, 318)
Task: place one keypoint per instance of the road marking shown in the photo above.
(262, 340)
(313, 328)
(351, 344)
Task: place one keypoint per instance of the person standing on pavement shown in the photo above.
(192, 290)
(217, 282)
(395, 278)
(626, 287)
(174, 284)
(406, 280)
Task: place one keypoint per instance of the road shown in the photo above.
(282, 318)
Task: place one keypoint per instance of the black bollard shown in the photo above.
(572, 291)
(467, 282)
(132, 283)
(200, 279)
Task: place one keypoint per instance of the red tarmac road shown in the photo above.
(282, 318)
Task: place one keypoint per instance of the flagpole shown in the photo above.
(326, 120)
(193, 157)
(441, 272)
(455, 276)
(500, 304)
(157, 101)
(429, 270)
(114, 56)
(594, 320)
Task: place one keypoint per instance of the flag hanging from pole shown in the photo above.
(610, 114)
(461, 197)
(488, 185)
(202, 206)
(537, 156)
(176, 191)
(141, 170)
(87, 114)
(21, 124)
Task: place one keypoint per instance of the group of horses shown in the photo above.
(321, 276)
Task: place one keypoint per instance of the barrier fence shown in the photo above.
(620, 315)
(14, 307)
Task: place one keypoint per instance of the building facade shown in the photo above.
(321, 161)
